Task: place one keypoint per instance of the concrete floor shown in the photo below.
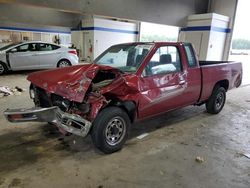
(36, 155)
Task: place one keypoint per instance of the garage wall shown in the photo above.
(109, 32)
(227, 8)
(224, 7)
(97, 34)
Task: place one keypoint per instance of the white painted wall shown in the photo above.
(227, 8)
(209, 44)
(97, 34)
(105, 39)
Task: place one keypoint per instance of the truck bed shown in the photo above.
(214, 71)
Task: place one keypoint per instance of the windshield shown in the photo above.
(9, 46)
(126, 57)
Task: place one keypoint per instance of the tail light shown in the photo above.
(73, 52)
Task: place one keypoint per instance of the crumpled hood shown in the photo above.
(69, 82)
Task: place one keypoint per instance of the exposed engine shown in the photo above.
(44, 99)
(102, 79)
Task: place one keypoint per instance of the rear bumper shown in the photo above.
(71, 123)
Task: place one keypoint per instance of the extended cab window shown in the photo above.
(190, 55)
(165, 60)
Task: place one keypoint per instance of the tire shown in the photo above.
(216, 101)
(63, 63)
(3, 68)
(110, 129)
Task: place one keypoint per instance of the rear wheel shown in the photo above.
(3, 68)
(64, 63)
(216, 101)
(110, 129)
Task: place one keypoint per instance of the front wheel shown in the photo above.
(3, 68)
(110, 129)
(216, 101)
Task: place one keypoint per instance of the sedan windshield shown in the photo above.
(126, 57)
(9, 46)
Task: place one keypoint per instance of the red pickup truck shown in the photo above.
(125, 83)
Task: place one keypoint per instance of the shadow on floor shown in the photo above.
(26, 146)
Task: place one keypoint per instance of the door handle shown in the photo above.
(34, 55)
(182, 82)
(182, 79)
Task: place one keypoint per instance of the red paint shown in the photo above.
(152, 95)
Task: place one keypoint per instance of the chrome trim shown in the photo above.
(71, 123)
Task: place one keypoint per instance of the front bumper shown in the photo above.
(71, 123)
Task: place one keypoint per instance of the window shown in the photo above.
(48, 47)
(126, 57)
(190, 55)
(55, 47)
(25, 48)
(9, 46)
(165, 60)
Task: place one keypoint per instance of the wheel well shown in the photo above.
(222, 83)
(127, 106)
(64, 59)
(5, 66)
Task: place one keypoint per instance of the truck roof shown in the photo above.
(156, 43)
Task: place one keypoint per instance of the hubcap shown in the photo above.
(115, 131)
(219, 101)
(63, 64)
(1, 69)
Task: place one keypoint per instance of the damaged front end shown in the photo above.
(69, 99)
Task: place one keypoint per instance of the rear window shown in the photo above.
(54, 47)
(48, 47)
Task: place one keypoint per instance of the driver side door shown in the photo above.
(162, 82)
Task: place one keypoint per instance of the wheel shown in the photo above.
(216, 101)
(3, 68)
(110, 129)
(64, 63)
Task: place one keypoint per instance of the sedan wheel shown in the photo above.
(64, 63)
(2, 69)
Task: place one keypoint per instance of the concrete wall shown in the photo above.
(21, 14)
(170, 12)
(227, 8)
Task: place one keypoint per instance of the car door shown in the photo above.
(162, 83)
(49, 55)
(24, 57)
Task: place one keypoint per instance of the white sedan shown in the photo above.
(35, 55)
